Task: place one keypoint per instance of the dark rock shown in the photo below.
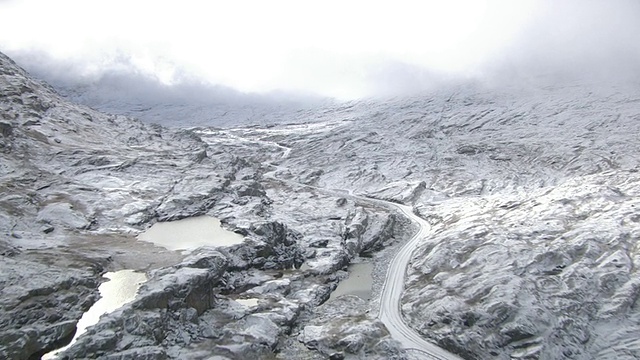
(272, 246)
(49, 307)
(254, 189)
(319, 243)
(6, 129)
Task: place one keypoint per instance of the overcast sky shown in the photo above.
(343, 49)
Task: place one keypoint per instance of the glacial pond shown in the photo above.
(359, 282)
(190, 233)
(119, 290)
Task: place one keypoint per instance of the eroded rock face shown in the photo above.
(366, 232)
(39, 312)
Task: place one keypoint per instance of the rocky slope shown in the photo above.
(532, 194)
(78, 185)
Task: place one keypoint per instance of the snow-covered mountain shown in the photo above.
(530, 193)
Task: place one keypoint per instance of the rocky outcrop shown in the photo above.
(164, 312)
(61, 214)
(39, 313)
(180, 311)
(267, 246)
(365, 232)
(343, 329)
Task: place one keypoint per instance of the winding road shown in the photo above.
(390, 297)
(390, 312)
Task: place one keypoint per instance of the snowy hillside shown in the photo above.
(532, 195)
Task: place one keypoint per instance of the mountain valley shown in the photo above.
(524, 245)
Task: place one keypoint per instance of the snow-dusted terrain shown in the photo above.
(78, 185)
(530, 193)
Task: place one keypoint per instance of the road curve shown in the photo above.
(390, 312)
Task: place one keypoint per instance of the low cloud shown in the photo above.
(122, 79)
(355, 51)
(575, 40)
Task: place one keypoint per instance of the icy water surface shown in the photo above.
(359, 282)
(119, 290)
(190, 233)
(248, 302)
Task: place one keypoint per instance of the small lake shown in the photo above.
(359, 282)
(190, 233)
(119, 290)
